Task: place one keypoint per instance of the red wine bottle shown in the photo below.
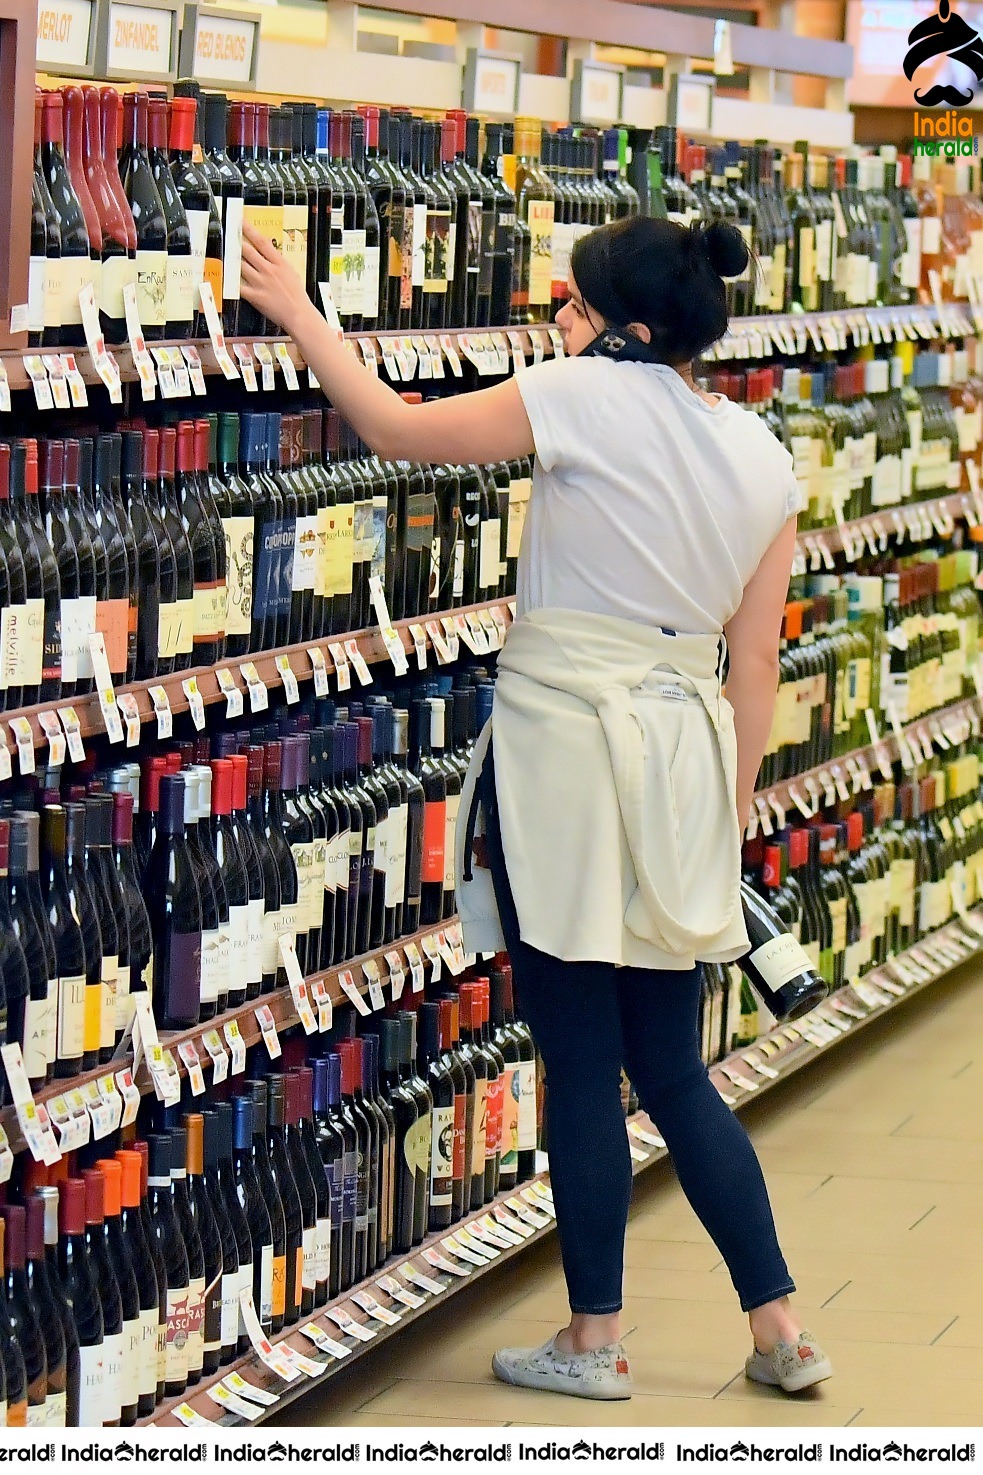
(294, 1215)
(107, 1283)
(301, 1143)
(44, 281)
(200, 208)
(29, 925)
(111, 911)
(84, 908)
(76, 259)
(218, 1241)
(174, 907)
(70, 951)
(23, 1316)
(271, 1197)
(174, 1255)
(249, 1195)
(197, 1275)
(78, 1279)
(180, 289)
(441, 1086)
(141, 943)
(104, 135)
(464, 1082)
(118, 1253)
(149, 219)
(335, 1139)
(149, 1291)
(53, 1317)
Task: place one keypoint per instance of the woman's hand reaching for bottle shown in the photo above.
(270, 283)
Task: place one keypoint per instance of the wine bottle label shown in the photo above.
(256, 912)
(779, 960)
(112, 621)
(460, 1134)
(337, 858)
(37, 1413)
(22, 642)
(564, 237)
(442, 1156)
(540, 219)
(152, 287)
(55, 1410)
(807, 257)
(198, 226)
(510, 1119)
(238, 935)
(308, 1259)
(434, 839)
(39, 1036)
(493, 1128)
(762, 282)
(36, 281)
(349, 1186)
(348, 272)
(232, 261)
(196, 1323)
(266, 1291)
(417, 1145)
(437, 249)
(479, 1140)
(211, 1321)
(112, 1386)
(76, 273)
(452, 809)
(289, 922)
(208, 612)
(92, 1399)
(214, 275)
(78, 622)
(109, 976)
(450, 256)
(520, 492)
(322, 1249)
(526, 1072)
(213, 978)
(295, 220)
(489, 554)
(180, 289)
(239, 576)
(279, 1285)
(307, 883)
(396, 868)
(130, 1373)
(825, 246)
(53, 292)
(118, 272)
(71, 1016)
(168, 628)
(837, 911)
(147, 1364)
(371, 284)
(229, 1286)
(185, 633)
(161, 1351)
(305, 554)
(272, 928)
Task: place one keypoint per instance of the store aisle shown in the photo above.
(875, 1162)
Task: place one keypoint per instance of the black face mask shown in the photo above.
(622, 346)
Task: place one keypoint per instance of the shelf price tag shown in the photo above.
(442, 1262)
(234, 703)
(215, 331)
(436, 357)
(342, 669)
(518, 352)
(196, 702)
(220, 1061)
(425, 1282)
(287, 367)
(24, 738)
(259, 697)
(34, 1121)
(429, 944)
(232, 1403)
(328, 1345)
(165, 374)
(113, 1100)
(104, 686)
(192, 1063)
(273, 1357)
(346, 1323)
(246, 366)
(162, 711)
(291, 689)
(419, 637)
(358, 661)
(298, 985)
(64, 1122)
(350, 989)
(76, 384)
(51, 727)
(452, 356)
(130, 1093)
(99, 1112)
(38, 375)
(265, 355)
(6, 767)
(479, 640)
(390, 639)
(127, 704)
(397, 975)
(4, 390)
(369, 356)
(440, 645)
(368, 1303)
(370, 969)
(193, 360)
(237, 1045)
(325, 1011)
(267, 1028)
(316, 657)
(191, 1418)
(73, 733)
(453, 638)
(416, 966)
(262, 1396)
(58, 382)
(396, 1292)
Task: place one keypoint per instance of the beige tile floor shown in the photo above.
(874, 1158)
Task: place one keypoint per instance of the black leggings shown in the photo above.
(589, 1020)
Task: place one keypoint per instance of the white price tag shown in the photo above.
(73, 733)
(192, 1063)
(324, 1343)
(452, 356)
(416, 966)
(237, 1045)
(38, 375)
(291, 689)
(440, 645)
(130, 1093)
(287, 366)
(397, 975)
(246, 366)
(196, 702)
(322, 999)
(370, 970)
(350, 989)
(104, 686)
(358, 661)
(316, 657)
(234, 700)
(215, 331)
(346, 1322)
(220, 1061)
(193, 360)
(162, 709)
(298, 986)
(24, 738)
(267, 1025)
(342, 669)
(419, 638)
(265, 355)
(127, 704)
(259, 697)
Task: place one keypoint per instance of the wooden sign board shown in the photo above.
(137, 40)
(219, 48)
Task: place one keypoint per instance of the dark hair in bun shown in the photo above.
(657, 272)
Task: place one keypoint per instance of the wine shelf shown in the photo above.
(872, 533)
(742, 1077)
(282, 1005)
(849, 774)
(370, 644)
(789, 334)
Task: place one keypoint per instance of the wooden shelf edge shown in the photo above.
(370, 644)
(791, 1059)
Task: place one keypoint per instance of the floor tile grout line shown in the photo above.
(909, 1118)
(943, 1331)
(828, 1179)
(835, 1294)
(729, 1383)
(853, 1419)
(923, 1218)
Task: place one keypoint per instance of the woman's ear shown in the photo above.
(641, 331)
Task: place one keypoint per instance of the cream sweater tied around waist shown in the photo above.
(615, 763)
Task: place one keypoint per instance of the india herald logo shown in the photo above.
(944, 34)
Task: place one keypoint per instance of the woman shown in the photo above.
(662, 520)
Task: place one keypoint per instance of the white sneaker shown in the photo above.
(792, 1366)
(600, 1374)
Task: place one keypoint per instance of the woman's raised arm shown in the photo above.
(490, 425)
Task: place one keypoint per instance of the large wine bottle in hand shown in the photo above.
(778, 968)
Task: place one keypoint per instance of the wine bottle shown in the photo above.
(76, 263)
(51, 1315)
(72, 116)
(441, 1084)
(23, 1317)
(149, 219)
(28, 925)
(110, 906)
(117, 1251)
(175, 911)
(141, 945)
(180, 286)
(335, 1138)
(233, 1242)
(168, 1236)
(188, 1228)
(149, 1291)
(101, 119)
(304, 1124)
(195, 193)
(271, 1197)
(776, 965)
(300, 1172)
(285, 1188)
(83, 907)
(253, 1206)
(44, 277)
(70, 950)
(78, 1279)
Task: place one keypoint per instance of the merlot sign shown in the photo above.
(219, 47)
(138, 41)
(66, 37)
